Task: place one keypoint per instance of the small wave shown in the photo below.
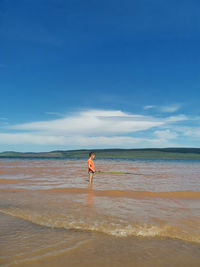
(112, 193)
(111, 227)
(43, 253)
(15, 181)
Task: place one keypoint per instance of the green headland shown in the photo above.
(159, 153)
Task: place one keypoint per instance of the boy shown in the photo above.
(91, 167)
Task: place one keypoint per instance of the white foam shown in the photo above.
(118, 229)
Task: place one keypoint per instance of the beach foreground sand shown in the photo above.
(74, 248)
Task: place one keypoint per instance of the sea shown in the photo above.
(139, 212)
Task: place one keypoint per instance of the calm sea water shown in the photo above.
(49, 215)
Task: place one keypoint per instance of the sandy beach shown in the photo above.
(49, 216)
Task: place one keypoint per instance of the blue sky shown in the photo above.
(99, 74)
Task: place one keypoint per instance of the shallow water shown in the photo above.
(49, 215)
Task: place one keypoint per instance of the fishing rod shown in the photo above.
(118, 172)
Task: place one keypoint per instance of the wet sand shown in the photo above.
(49, 216)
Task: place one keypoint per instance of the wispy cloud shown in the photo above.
(149, 107)
(193, 132)
(99, 128)
(78, 141)
(177, 118)
(54, 113)
(165, 109)
(166, 134)
(94, 122)
(170, 108)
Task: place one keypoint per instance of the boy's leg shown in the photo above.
(90, 177)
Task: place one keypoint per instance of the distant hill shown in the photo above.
(190, 153)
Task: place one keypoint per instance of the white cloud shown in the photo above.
(165, 109)
(30, 138)
(54, 113)
(148, 107)
(191, 131)
(96, 122)
(81, 141)
(97, 128)
(177, 118)
(166, 134)
(170, 108)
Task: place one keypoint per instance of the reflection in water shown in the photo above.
(90, 196)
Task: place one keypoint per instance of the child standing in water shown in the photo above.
(91, 167)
